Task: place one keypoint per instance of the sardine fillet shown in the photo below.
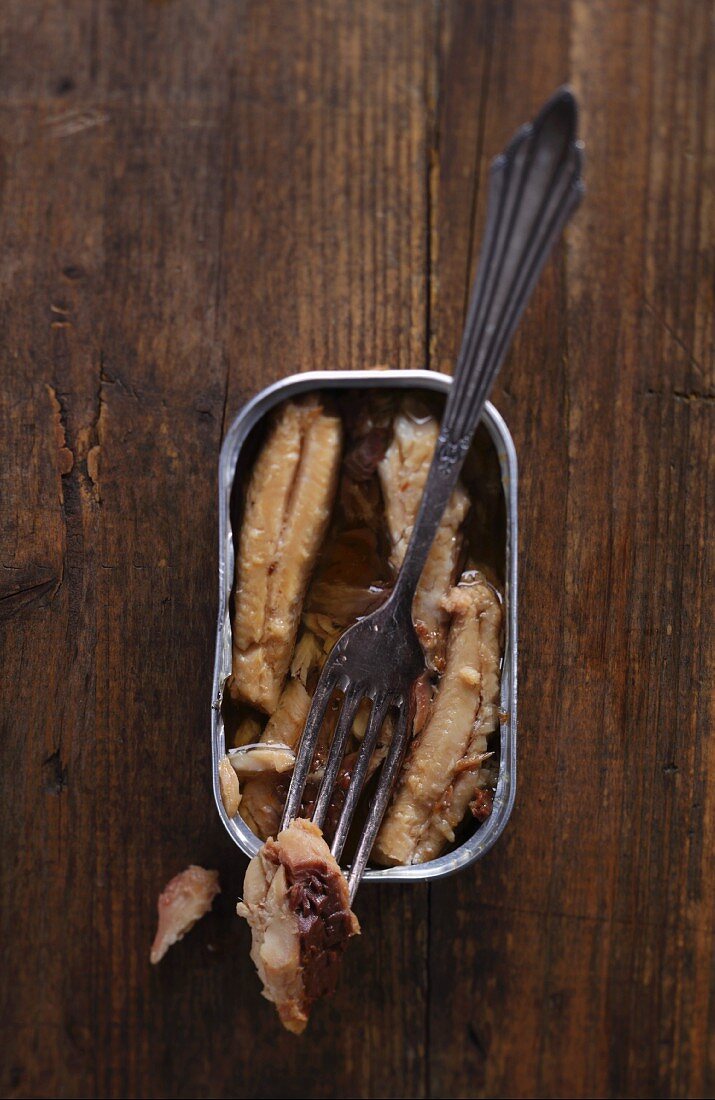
(295, 898)
(262, 803)
(442, 770)
(288, 505)
(403, 473)
(285, 725)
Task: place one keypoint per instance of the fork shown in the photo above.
(535, 185)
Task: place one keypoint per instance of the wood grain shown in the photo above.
(588, 935)
(200, 197)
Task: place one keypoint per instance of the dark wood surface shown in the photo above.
(197, 198)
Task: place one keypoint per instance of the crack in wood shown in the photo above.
(12, 603)
(55, 773)
(681, 395)
(673, 334)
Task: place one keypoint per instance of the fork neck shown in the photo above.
(535, 185)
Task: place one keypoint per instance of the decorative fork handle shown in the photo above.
(534, 187)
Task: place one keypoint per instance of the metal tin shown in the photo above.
(488, 833)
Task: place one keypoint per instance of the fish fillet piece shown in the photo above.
(229, 785)
(263, 795)
(403, 473)
(307, 658)
(183, 901)
(247, 731)
(258, 760)
(288, 505)
(286, 723)
(262, 801)
(443, 770)
(295, 899)
(452, 808)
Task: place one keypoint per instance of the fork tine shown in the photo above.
(380, 707)
(351, 702)
(378, 804)
(304, 755)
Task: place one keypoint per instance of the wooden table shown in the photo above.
(198, 198)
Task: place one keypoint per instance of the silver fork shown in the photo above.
(535, 185)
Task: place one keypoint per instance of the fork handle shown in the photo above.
(534, 187)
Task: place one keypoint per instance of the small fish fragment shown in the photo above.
(482, 804)
(263, 798)
(285, 725)
(264, 789)
(307, 658)
(444, 769)
(423, 692)
(403, 473)
(258, 759)
(295, 899)
(230, 789)
(288, 505)
(248, 730)
(182, 902)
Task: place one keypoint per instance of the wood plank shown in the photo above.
(594, 916)
(211, 195)
(324, 261)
